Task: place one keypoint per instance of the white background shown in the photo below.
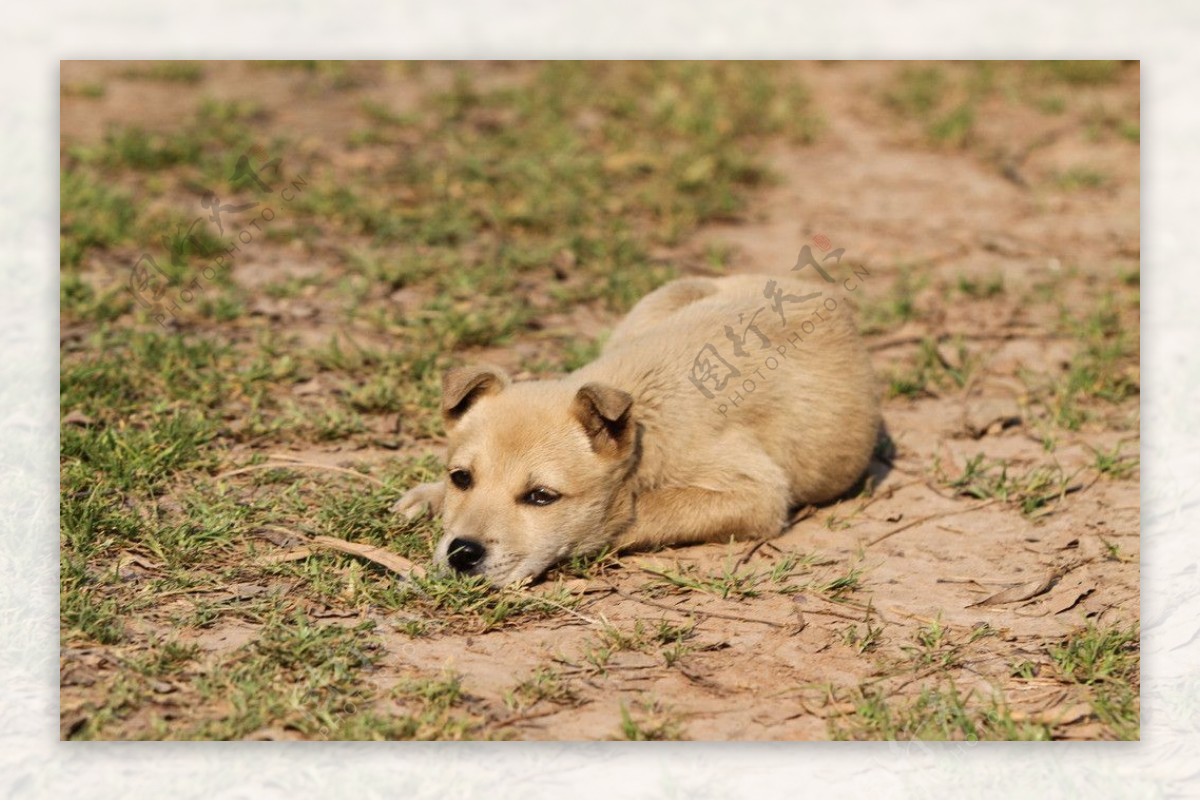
(36, 35)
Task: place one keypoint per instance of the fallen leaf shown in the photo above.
(1022, 592)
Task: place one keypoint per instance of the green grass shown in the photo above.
(931, 369)
(981, 288)
(917, 91)
(1081, 177)
(1101, 373)
(1106, 660)
(1034, 491)
(185, 72)
(898, 306)
(649, 721)
(90, 89)
(1081, 72)
(544, 684)
(944, 104)
(939, 712)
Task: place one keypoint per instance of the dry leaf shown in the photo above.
(1022, 592)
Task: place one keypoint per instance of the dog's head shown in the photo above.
(536, 471)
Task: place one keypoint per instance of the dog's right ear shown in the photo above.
(604, 413)
(463, 386)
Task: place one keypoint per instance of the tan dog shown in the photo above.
(717, 406)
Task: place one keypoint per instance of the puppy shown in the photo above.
(716, 407)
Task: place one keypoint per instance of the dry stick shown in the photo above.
(841, 615)
(749, 554)
(692, 611)
(927, 518)
(392, 561)
(299, 465)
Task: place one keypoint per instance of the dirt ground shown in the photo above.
(999, 529)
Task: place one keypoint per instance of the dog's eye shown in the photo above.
(540, 497)
(461, 479)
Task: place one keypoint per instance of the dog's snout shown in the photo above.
(465, 555)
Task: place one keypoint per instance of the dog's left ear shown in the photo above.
(463, 386)
(604, 413)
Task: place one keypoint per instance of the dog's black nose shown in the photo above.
(464, 555)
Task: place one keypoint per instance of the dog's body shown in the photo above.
(717, 406)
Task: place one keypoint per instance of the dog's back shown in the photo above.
(754, 361)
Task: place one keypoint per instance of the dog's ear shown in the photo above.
(463, 386)
(604, 413)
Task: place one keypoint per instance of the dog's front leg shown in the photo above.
(421, 499)
(677, 515)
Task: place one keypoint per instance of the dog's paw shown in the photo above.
(421, 500)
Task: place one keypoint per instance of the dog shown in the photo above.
(716, 408)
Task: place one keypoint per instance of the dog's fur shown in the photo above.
(633, 454)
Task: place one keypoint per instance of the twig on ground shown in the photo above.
(297, 465)
(384, 558)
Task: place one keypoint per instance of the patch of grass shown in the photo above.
(731, 581)
(668, 641)
(1051, 104)
(1101, 121)
(92, 215)
(1095, 655)
(1033, 491)
(791, 573)
(1103, 368)
(83, 611)
(932, 367)
(981, 288)
(544, 684)
(954, 128)
(297, 674)
(864, 640)
(134, 458)
(1106, 660)
(338, 75)
(188, 72)
(1081, 72)
(941, 712)
(917, 91)
(1081, 177)
(899, 306)
(942, 103)
(650, 721)
(1113, 463)
(89, 89)
(211, 142)
(380, 113)
(592, 564)
(840, 585)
